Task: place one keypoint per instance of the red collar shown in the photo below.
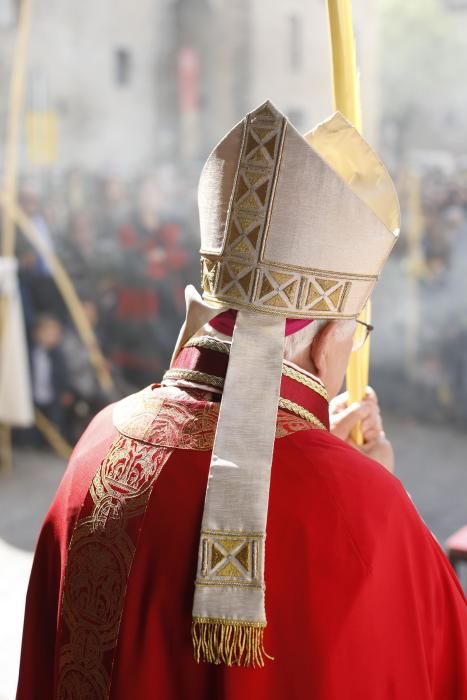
(204, 360)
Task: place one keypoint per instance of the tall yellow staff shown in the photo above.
(14, 124)
(347, 101)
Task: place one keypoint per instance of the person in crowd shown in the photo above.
(150, 293)
(77, 252)
(212, 538)
(38, 288)
(87, 396)
(50, 386)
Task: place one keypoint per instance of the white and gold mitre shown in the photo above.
(291, 227)
(298, 226)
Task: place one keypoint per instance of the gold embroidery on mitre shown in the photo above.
(334, 297)
(251, 201)
(325, 284)
(262, 132)
(264, 113)
(261, 192)
(266, 287)
(322, 305)
(312, 294)
(242, 247)
(254, 176)
(277, 300)
(245, 282)
(317, 292)
(280, 277)
(270, 146)
(251, 143)
(209, 273)
(279, 289)
(290, 291)
(243, 187)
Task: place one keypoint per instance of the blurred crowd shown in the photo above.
(130, 249)
(129, 253)
(433, 253)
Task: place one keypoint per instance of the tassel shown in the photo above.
(229, 642)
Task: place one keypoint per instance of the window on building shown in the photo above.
(122, 66)
(295, 42)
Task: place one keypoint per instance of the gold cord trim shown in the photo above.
(229, 642)
(227, 584)
(202, 378)
(191, 375)
(287, 371)
(205, 341)
(242, 533)
(302, 412)
(303, 379)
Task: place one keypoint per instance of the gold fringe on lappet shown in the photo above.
(229, 642)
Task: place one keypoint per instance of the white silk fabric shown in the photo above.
(16, 408)
(238, 486)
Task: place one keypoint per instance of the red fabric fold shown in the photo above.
(225, 323)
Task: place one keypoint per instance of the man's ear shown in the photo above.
(320, 349)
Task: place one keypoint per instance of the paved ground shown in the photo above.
(431, 462)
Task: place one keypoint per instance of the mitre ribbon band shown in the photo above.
(228, 609)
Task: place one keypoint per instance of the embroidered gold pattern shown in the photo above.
(168, 417)
(230, 558)
(209, 274)
(248, 217)
(99, 560)
(287, 424)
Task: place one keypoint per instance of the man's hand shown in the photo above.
(344, 418)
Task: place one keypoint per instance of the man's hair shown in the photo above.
(295, 343)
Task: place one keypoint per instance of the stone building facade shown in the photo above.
(133, 85)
